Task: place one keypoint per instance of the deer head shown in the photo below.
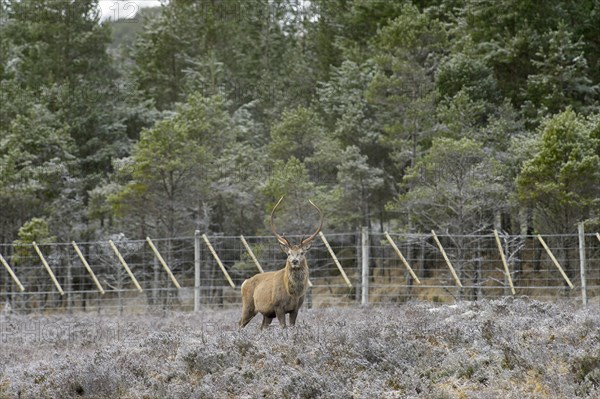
(295, 253)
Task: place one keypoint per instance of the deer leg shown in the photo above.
(247, 315)
(266, 322)
(293, 315)
(281, 317)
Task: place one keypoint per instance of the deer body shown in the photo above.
(275, 294)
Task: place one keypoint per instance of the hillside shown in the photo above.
(488, 349)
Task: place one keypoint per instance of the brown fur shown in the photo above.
(274, 294)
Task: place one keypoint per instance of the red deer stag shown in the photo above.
(273, 294)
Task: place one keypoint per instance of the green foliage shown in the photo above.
(297, 134)
(59, 53)
(349, 114)
(173, 164)
(510, 33)
(561, 77)
(464, 73)
(35, 230)
(359, 183)
(36, 159)
(237, 48)
(159, 56)
(292, 180)
(288, 178)
(462, 116)
(562, 181)
(58, 68)
(402, 88)
(34, 145)
(236, 188)
(453, 187)
(412, 36)
(56, 42)
(124, 31)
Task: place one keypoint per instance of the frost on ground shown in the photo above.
(509, 348)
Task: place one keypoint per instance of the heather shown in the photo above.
(511, 348)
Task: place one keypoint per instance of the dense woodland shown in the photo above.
(456, 115)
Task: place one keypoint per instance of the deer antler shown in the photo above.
(314, 235)
(281, 239)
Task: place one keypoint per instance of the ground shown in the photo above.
(509, 348)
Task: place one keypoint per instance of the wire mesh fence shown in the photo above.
(141, 283)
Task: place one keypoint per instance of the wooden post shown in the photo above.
(365, 266)
(214, 254)
(131, 276)
(258, 266)
(506, 270)
(439, 244)
(397, 250)
(197, 281)
(335, 259)
(12, 274)
(162, 262)
(69, 282)
(50, 272)
(558, 266)
(581, 231)
(87, 267)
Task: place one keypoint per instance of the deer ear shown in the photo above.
(306, 246)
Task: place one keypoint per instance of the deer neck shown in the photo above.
(296, 278)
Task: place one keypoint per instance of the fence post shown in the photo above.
(125, 266)
(506, 269)
(252, 256)
(365, 266)
(12, 274)
(48, 269)
(156, 293)
(581, 231)
(197, 271)
(439, 244)
(162, 262)
(87, 267)
(335, 259)
(216, 256)
(558, 266)
(402, 258)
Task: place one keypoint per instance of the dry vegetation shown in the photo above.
(510, 348)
